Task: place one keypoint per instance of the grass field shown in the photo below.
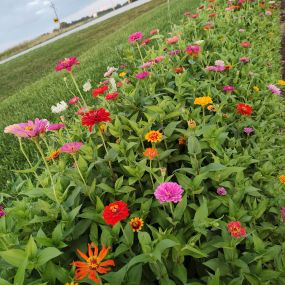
(29, 85)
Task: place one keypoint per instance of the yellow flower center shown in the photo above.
(92, 263)
(114, 209)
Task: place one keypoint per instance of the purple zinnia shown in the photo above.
(30, 129)
(55, 127)
(274, 89)
(222, 191)
(135, 37)
(229, 88)
(168, 192)
(2, 212)
(142, 75)
(248, 130)
(71, 147)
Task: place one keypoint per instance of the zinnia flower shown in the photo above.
(59, 107)
(193, 50)
(115, 212)
(53, 155)
(66, 64)
(248, 130)
(256, 88)
(147, 64)
(71, 147)
(30, 129)
(244, 109)
(87, 86)
(150, 152)
(110, 71)
(182, 140)
(146, 42)
(99, 90)
(135, 37)
(136, 224)
(94, 117)
(2, 211)
(73, 100)
(229, 88)
(169, 192)
(172, 40)
(203, 101)
(274, 89)
(93, 263)
(191, 124)
(159, 58)
(154, 32)
(245, 44)
(55, 127)
(179, 69)
(112, 96)
(71, 283)
(236, 230)
(174, 52)
(153, 136)
(222, 191)
(281, 82)
(142, 75)
(282, 179)
(244, 59)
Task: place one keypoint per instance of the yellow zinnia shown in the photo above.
(281, 82)
(282, 179)
(153, 136)
(136, 224)
(122, 74)
(255, 88)
(203, 101)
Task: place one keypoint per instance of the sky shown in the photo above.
(22, 20)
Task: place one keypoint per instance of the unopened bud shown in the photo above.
(191, 124)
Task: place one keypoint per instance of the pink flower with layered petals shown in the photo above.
(66, 64)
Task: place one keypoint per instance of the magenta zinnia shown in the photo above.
(66, 64)
(55, 127)
(30, 129)
(71, 147)
(168, 192)
(142, 75)
(135, 37)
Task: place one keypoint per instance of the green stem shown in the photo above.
(171, 209)
(127, 240)
(203, 108)
(79, 171)
(77, 87)
(150, 172)
(139, 49)
(47, 168)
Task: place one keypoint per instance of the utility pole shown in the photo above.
(56, 18)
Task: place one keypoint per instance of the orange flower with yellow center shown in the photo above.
(203, 101)
(53, 155)
(282, 179)
(93, 263)
(150, 152)
(136, 224)
(182, 140)
(153, 136)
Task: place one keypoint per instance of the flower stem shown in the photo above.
(150, 172)
(203, 108)
(171, 209)
(79, 171)
(77, 87)
(139, 49)
(47, 168)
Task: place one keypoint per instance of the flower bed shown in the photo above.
(175, 174)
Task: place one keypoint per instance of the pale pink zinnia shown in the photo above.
(142, 75)
(30, 129)
(159, 58)
(222, 191)
(73, 100)
(274, 89)
(66, 64)
(147, 64)
(172, 40)
(174, 52)
(135, 37)
(168, 192)
(55, 127)
(71, 147)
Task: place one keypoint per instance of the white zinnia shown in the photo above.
(59, 107)
(110, 71)
(87, 86)
(113, 84)
(219, 63)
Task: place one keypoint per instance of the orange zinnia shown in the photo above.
(153, 136)
(150, 152)
(93, 263)
(53, 155)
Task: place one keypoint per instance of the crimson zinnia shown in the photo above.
(94, 117)
(115, 212)
(99, 90)
(244, 109)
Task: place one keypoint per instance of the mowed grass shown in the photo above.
(29, 85)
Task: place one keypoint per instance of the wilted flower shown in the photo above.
(244, 109)
(241, 30)
(222, 191)
(274, 89)
(115, 212)
(236, 230)
(182, 140)
(87, 86)
(191, 124)
(73, 100)
(174, 52)
(219, 62)
(110, 71)
(94, 117)
(55, 127)
(142, 75)
(135, 37)
(159, 58)
(169, 192)
(248, 130)
(71, 147)
(268, 13)
(82, 110)
(30, 129)
(59, 107)
(66, 64)
(212, 108)
(203, 101)
(153, 136)
(93, 263)
(150, 152)
(136, 224)
(282, 210)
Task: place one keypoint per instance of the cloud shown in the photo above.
(46, 3)
(41, 11)
(33, 3)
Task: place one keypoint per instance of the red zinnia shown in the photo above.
(244, 109)
(146, 41)
(112, 96)
(245, 44)
(236, 230)
(99, 90)
(95, 116)
(179, 69)
(115, 212)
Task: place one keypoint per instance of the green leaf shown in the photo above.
(20, 274)
(180, 272)
(201, 215)
(169, 129)
(162, 246)
(215, 280)
(31, 247)
(14, 257)
(194, 147)
(99, 205)
(47, 254)
(4, 282)
(192, 251)
(145, 241)
(180, 208)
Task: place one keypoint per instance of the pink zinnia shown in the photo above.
(248, 130)
(236, 230)
(274, 89)
(135, 37)
(245, 44)
(174, 52)
(2, 211)
(142, 75)
(229, 88)
(55, 127)
(222, 191)
(244, 59)
(168, 192)
(159, 58)
(30, 129)
(82, 110)
(66, 64)
(73, 100)
(112, 96)
(193, 50)
(154, 32)
(172, 40)
(71, 147)
(147, 64)
(217, 68)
